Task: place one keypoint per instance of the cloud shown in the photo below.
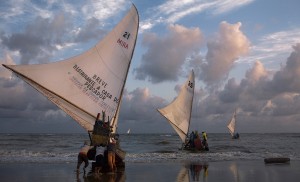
(286, 80)
(165, 56)
(53, 26)
(90, 31)
(266, 99)
(38, 41)
(175, 10)
(4, 73)
(257, 72)
(223, 50)
(102, 10)
(273, 47)
(23, 109)
(223, 6)
(139, 112)
(140, 105)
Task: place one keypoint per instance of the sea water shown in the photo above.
(150, 147)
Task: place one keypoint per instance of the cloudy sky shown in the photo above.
(245, 55)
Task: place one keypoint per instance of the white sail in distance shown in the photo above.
(231, 124)
(178, 113)
(91, 82)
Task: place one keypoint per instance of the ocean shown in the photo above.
(148, 148)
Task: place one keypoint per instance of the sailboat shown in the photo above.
(178, 113)
(92, 82)
(128, 131)
(231, 127)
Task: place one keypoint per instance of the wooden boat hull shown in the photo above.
(120, 164)
(277, 160)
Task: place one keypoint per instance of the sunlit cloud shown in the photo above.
(103, 9)
(224, 49)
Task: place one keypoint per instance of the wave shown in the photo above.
(157, 156)
(147, 148)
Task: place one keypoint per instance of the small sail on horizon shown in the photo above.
(92, 82)
(178, 112)
(231, 124)
(128, 131)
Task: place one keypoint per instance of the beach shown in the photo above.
(152, 158)
(225, 171)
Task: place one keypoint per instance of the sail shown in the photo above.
(91, 82)
(178, 113)
(231, 124)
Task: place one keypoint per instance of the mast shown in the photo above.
(192, 85)
(116, 116)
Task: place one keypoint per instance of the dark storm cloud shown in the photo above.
(287, 79)
(140, 105)
(264, 98)
(91, 31)
(165, 56)
(139, 112)
(38, 40)
(41, 38)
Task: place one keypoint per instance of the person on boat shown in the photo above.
(236, 135)
(188, 141)
(204, 141)
(111, 149)
(204, 135)
(82, 156)
(192, 138)
(197, 142)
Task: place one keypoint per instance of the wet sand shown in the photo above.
(225, 171)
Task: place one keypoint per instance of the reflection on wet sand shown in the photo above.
(193, 172)
(107, 177)
(234, 171)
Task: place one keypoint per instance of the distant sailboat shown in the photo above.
(231, 126)
(128, 131)
(92, 82)
(178, 113)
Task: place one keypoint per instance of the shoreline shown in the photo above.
(226, 171)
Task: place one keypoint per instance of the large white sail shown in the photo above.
(231, 124)
(91, 82)
(178, 113)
